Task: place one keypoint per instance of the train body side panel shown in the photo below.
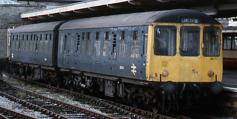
(118, 51)
(32, 48)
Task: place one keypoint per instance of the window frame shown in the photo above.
(199, 40)
(231, 41)
(219, 45)
(176, 36)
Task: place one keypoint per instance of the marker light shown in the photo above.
(165, 73)
(211, 73)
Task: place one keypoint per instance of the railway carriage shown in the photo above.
(141, 57)
(33, 46)
(3, 49)
(114, 45)
(229, 48)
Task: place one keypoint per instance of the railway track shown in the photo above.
(221, 106)
(108, 108)
(13, 96)
(131, 111)
(11, 106)
(105, 106)
(11, 114)
(229, 102)
(49, 106)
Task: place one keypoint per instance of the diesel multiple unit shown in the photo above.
(137, 57)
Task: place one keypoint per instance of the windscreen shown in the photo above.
(211, 41)
(165, 40)
(189, 41)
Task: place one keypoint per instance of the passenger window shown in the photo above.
(97, 35)
(88, 48)
(106, 35)
(189, 41)
(27, 42)
(227, 42)
(122, 45)
(40, 43)
(135, 34)
(31, 37)
(106, 44)
(40, 36)
(97, 44)
(14, 42)
(65, 43)
(46, 36)
(135, 47)
(165, 40)
(122, 35)
(88, 35)
(50, 36)
(36, 42)
(19, 43)
(83, 35)
(31, 42)
(23, 42)
(211, 41)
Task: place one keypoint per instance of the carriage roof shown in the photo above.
(134, 19)
(145, 18)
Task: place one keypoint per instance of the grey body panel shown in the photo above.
(34, 43)
(32, 51)
(3, 46)
(98, 55)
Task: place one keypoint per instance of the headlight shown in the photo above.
(211, 73)
(165, 73)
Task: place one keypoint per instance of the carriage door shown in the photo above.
(97, 49)
(163, 59)
(137, 42)
(66, 49)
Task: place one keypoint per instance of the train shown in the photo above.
(229, 48)
(150, 59)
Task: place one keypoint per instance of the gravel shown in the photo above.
(6, 103)
(50, 94)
